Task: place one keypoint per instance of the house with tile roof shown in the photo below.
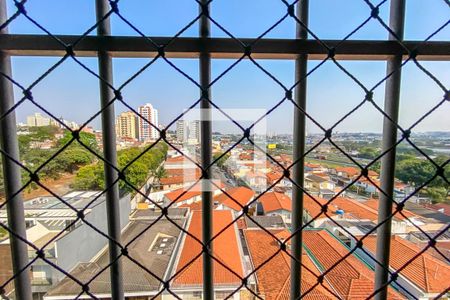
(274, 203)
(187, 273)
(350, 279)
(189, 194)
(178, 178)
(271, 284)
(424, 277)
(347, 209)
(321, 186)
(152, 245)
(237, 198)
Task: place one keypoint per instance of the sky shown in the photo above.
(71, 92)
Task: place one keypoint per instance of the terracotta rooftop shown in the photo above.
(273, 278)
(355, 209)
(373, 203)
(193, 206)
(351, 278)
(226, 249)
(191, 192)
(314, 208)
(430, 274)
(241, 195)
(274, 176)
(350, 171)
(183, 172)
(178, 196)
(272, 201)
(176, 159)
(179, 179)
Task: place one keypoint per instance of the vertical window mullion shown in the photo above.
(301, 63)
(206, 148)
(391, 107)
(110, 154)
(12, 175)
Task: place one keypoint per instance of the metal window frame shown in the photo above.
(301, 50)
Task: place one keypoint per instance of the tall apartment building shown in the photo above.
(188, 131)
(146, 131)
(180, 131)
(127, 125)
(37, 120)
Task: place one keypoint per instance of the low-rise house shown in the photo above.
(178, 178)
(187, 273)
(66, 240)
(273, 276)
(237, 198)
(153, 249)
(441, 249)
(412, 220)
(371, 186)
(277, 176)
(319, 186)
(314, 168)
(256, 180)
(274, 203)
(349, 279)
(347, 209)
(421, 275)
(179, 162)
(268, 222)
(182, 196)
(189, 195)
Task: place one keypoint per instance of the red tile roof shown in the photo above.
(177, 196)
(193, 206)
(183, 172)
(192, 191)
(274, 176)
(373, 203)
(178, 179)
(442, 207)
(351, 278)
(273, 277)
(355, 209)
(272, 201)
(241, 195)
(360, 210)
(428, 273)
(225, 249)
(350, 171)
(314, 208)
(175, 159)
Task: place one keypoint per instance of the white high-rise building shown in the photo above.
(147, 132)
(188, 131)
(38, 120)
(181, 131)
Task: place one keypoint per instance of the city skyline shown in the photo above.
(331, 93)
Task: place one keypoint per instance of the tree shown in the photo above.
(437, 194)
(415, 171)
(88, 139)
(220, 163)
(368, 152)
(90, 177)
(136, 163)
(160, 173)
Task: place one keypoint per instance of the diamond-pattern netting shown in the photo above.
(247, 136)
